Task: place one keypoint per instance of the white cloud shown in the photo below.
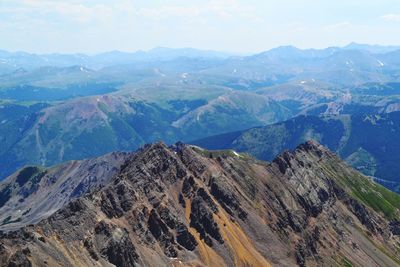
(391, 17)
(222, 9)
(85, 11)
(168, 11)
(75, 11)
(340, 25)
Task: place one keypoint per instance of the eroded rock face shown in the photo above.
(226, 198)
(109, 205)
(4, 255)
(395, 227)
(362, 213)
(20, 259)
(185, 238)
(181, 204)
(119, 250)
(162, 233)
(201, 218)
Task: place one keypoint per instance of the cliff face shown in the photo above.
(185, 206)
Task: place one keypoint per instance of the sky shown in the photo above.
(242, 26)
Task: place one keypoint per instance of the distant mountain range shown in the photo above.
(352, 65)
(285, 61)
(376, 49)
(183, 205)
(15, 60)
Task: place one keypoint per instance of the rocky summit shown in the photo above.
(186, 206)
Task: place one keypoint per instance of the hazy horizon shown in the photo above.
(194, 48)
(235, 26)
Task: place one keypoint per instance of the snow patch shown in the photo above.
(156, 70)
(82, 69)
(198, 117)
(197, 147)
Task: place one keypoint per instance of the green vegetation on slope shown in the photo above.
(365, 190)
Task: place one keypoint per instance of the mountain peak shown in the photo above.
(310, 150)
(313, 146)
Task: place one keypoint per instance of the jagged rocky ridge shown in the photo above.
(182, 205)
